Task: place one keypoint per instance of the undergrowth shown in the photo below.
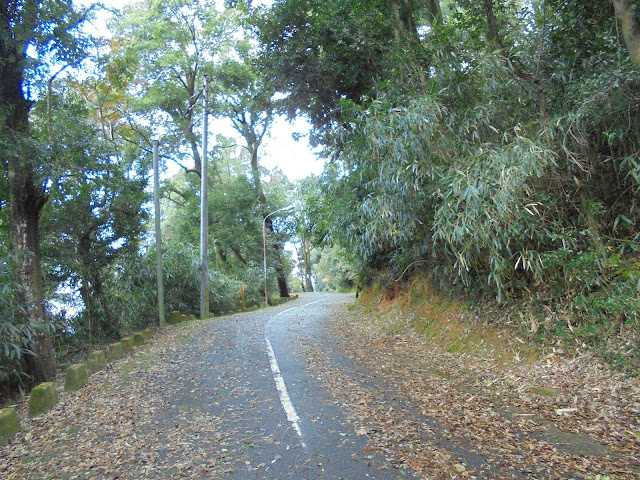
(519, 331)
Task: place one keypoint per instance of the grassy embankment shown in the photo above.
(510, 333)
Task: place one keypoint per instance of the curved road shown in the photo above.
(276, 421)
(260, 395)
(230, 398)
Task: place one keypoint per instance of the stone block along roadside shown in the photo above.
(138, 339)
(175, 317)
(76, 378)
(114, 351)
(9, 424)
(43, 398)
(127, 344)
(96, 362)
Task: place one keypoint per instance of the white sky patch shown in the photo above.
(285, 399)
(296, 159)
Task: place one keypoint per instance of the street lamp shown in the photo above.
(264, 248)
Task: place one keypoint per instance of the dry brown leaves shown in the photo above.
(553, 418)
(112, 428)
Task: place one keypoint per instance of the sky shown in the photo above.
(295, 158)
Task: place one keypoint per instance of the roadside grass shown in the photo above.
(449, 323)
(520, 332)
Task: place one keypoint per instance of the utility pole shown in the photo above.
(156, 201)
(204, 211)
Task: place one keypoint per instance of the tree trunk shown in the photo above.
(102, 322)
(238, 254)
(26, 200)
(277, 247)
(434, 13)
(306, 256)
(403, 22)
(109, 325)
(283, 287)
(493, 30)
(497, 43)
(626, 14)
(221, 255)
(255, 171)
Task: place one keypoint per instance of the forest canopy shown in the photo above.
(79, 116)
(490, 146)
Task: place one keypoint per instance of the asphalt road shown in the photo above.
(276, 422)
(270, 395)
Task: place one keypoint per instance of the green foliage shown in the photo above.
(37, 39)
(94, 217)
(486, 217)
(502, 156)
(88, 145)
(333, 272)
(320, 52)
(15, 332)
(160, 53)
(48, 33)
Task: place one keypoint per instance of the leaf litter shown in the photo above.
(462, 415)
(440, 414)
(123, 424)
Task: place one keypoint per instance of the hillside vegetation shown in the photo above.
(491, 146)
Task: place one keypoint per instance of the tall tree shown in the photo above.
(321, 52)
(245, 97)
(95, 215)
(162, 50)
(628, 14)
(508, 168)
(33, 32)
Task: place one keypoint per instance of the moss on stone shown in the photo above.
(127, 344)
(114, 351)
(138, 339)
(43, 397)
(96, 362)
(9, 424)
(175, 317)
(76, 377)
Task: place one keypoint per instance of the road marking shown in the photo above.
(299, 306)
(285, 399)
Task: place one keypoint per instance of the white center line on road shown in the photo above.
(285, 399)
(300, 306)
